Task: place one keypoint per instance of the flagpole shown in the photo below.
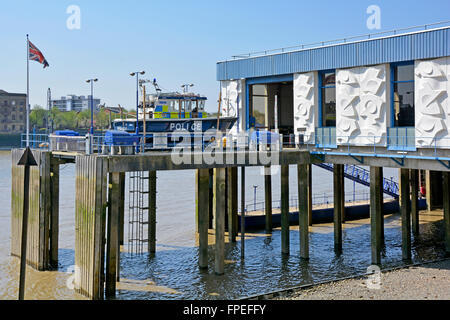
(28, 92)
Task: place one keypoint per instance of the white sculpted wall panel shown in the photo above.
(361, 106)
(431, 103)
(233, 100)
(304, 105)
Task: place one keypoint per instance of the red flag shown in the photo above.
(36, 55)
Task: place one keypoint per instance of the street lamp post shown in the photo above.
(254, 197)
(91, 81)
(186, 87)
(137, 73)
(91, 131)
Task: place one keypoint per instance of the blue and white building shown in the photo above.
(390, 92)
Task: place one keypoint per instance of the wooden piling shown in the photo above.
(285, 209)
(211, 198)
(90, 212)
(376, 213)
(304, 191)
(122, 208)
(339, 203)
(268, 198)
(197, 195)
(242, 212)
(405, 209)
(310, 207)
(414, 176)
(446, 205)
(232, 203)
(26, 161)
(112, 243)
(38, 238)
(203, 216)
(152, 211)
(219, 214)
(54, 218)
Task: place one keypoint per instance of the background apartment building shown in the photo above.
(75, 103)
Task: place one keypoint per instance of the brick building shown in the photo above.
(12, 112)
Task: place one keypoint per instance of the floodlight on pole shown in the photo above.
(137, 73)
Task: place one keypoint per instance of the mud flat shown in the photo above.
(429, 281)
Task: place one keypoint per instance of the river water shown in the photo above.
(172, 273)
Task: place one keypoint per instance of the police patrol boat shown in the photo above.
(173, 112)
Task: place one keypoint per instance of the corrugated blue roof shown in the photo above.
(419, 45)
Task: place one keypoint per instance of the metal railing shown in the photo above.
(325, 200)
(402, 138)
(326, 137)
(369, 36)
(67, 143)
(37, 141)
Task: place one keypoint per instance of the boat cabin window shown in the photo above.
(172, 105)
(189, 106)
(124, 126)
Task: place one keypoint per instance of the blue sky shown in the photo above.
(174, 41)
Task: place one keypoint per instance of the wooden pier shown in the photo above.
(100, 194)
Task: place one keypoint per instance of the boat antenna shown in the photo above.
(157, 88)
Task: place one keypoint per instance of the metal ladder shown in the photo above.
(138, 208)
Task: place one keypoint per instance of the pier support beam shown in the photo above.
(446, 202)
(112, 244)
(203, 216)
(304, 191)
(433, 189)
(232, 207)
(339, 205)
(310, 207)
(242, 212)
(122, 208)
(211, 198)
(285, 209)
(219, 214)
(197, 196)
(268, 198)
(414, 178)
(376, 213)
(152, 211)
(405, 209)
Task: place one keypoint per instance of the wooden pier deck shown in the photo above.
(99, 208)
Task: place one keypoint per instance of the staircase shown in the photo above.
(362, 176)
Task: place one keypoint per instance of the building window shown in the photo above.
(13, 117)
(402, 86)
(259, 104)
(327, 98)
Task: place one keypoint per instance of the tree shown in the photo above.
(38, 116)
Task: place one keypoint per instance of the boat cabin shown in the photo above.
(176, 106)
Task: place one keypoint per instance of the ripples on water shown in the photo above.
(172, 273)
